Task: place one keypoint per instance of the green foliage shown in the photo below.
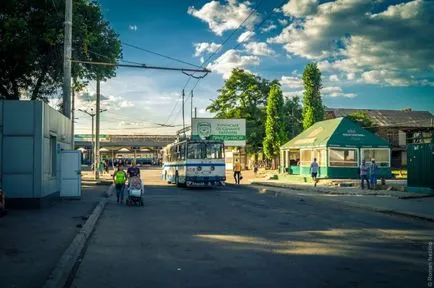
(274, 125)
(292, 115)
(313, 110)
(244, 95)
(31, 46)
(362, 118)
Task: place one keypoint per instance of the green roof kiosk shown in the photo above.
(339, 145)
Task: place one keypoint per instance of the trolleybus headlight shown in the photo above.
(199, 168)
(212, 168)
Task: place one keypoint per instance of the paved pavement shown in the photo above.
(239, 237)
(32, 241)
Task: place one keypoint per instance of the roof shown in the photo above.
(338, 132)
(391, 118)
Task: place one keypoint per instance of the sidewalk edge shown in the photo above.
(360, 206)
(59, 276)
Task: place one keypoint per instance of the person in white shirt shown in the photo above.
(314, 169)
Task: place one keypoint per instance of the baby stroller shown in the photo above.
(135, 192)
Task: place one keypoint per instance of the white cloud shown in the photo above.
(283, 22)
(300, 8)
(334, 77)
(334, 91)
(244, 37)
(259, 49)
(291, 82)
(133, 27)
(268, 28)
(291, 94)
(232, 59)
(229, 16)
(205, 47)
(347, 30)
(351, 76)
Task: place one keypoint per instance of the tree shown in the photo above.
(274, 126)
(313, 110)
(292, 115)
(362, 118)
(31, 50)
(244, 95)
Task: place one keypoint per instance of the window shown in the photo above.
(196, 151)
(182, 151)
(339, 157)
(53, 155)
(214, 151)
(381, 156)
(294, 157)
(320, 155)
(306, 158)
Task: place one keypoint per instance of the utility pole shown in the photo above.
(73, 119)
(67, 60)
(92, 115)
(98, 98)
(191, 108)
(183, 118)
(195, 112)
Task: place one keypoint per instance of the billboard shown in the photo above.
(232, 131)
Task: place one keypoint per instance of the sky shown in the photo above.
(372, 54)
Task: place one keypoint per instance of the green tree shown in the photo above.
(274, 125)
(31, 50)
(313, 110)
(244, 95)
(292, 115)
(362, 118)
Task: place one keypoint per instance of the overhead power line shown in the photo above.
(159, 54)
(143, 66)
(212, 55)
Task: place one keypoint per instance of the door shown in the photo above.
(70, 174)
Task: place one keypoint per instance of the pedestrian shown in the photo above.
(364, 169)
(237, 172)
(255, 168)
(314, 168)
(373, 169)
(119, 179)
(101, 168)
(106, 166)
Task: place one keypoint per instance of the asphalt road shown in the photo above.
(235, 237)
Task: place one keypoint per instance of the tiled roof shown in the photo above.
(391, 118)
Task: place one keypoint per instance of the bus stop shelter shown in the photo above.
(339, 145)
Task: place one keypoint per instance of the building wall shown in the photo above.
(24, 144)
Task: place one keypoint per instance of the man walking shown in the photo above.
(373, 174)
(237, 172)
(314, 168)
(119, 179)
(364, 174)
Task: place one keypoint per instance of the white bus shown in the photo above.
(194, 163)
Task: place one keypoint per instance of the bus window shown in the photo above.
(196, 151)
(214, 151)
(182, 151)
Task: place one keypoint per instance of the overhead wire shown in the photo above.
(254, 9)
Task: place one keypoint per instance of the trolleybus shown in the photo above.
(194, 163)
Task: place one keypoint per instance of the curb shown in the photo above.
(360, 206)
(384, 211)
(59, 276)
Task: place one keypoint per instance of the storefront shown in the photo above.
(339, 145)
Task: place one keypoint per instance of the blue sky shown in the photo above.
(372, 54)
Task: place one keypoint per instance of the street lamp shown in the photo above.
(92, 114)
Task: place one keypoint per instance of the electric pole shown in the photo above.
(191, 108)
(183, 118)
(72, 118)
(67, 60)
(98, 98)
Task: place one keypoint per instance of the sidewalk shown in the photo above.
(391, 203)
(32, 241)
